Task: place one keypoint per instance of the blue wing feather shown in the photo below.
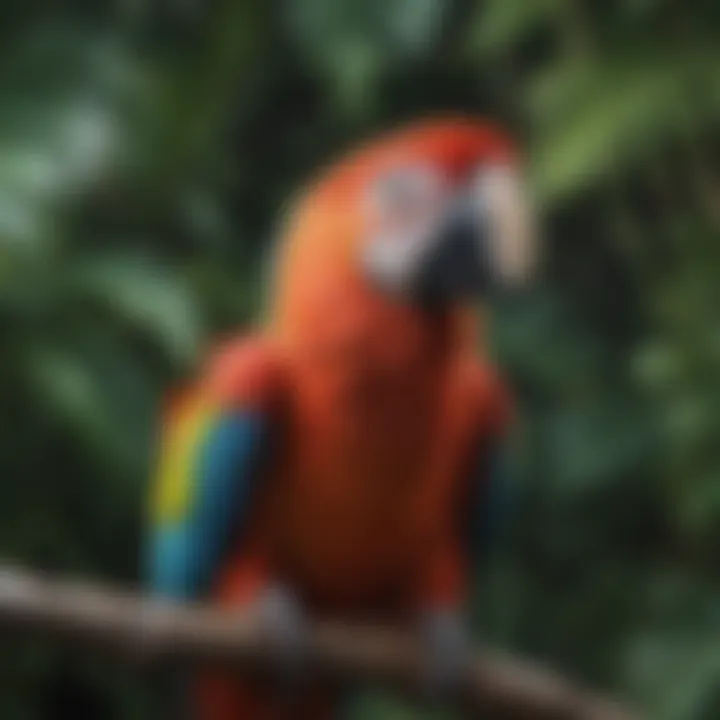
(185, 553)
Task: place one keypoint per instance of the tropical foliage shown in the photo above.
(146, 151)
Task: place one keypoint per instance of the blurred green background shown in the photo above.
(146, 150)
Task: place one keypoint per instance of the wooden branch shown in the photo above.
(151, 631)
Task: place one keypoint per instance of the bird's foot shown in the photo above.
(449, 652)
(284, 623)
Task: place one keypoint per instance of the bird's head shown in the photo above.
(434, 215)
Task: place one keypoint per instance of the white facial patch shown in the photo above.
(508, 212)
(404, 209)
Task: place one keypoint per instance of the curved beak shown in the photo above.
(482, 242)
(457, 267)
(486, 244)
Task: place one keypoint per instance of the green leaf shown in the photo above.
(632, 110)
(500, 25)
(147, 296)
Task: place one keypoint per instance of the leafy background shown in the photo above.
(146, 150)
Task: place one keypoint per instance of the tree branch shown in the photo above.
(150, 631)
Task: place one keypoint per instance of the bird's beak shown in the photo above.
(486, 244)
(456, 266)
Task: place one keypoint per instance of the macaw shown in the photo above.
(338, 461)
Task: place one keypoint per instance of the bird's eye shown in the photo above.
(404, 208)
(406, 195)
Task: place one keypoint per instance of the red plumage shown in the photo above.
(378, 408)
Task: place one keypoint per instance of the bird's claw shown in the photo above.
(284, 624)
(448, 645)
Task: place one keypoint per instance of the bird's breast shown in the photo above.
(364, 485)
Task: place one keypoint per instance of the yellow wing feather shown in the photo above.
(182, 435)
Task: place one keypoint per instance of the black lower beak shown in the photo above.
(457, 268)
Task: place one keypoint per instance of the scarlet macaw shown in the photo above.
(337, 462)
